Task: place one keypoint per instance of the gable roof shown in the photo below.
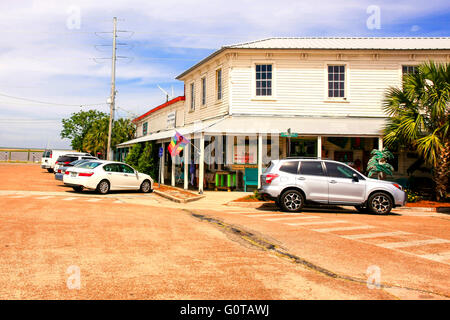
(166, 104)
(348, 43)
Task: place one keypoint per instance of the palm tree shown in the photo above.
(96, 139)
(123, 130)
(420, 119)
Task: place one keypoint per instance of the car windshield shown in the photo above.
(74, 163)
(89, 165)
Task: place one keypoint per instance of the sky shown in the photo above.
(55, 54)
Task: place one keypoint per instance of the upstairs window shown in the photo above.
(336, 81)
(409, 69)
(192, 97)
(144, 128)
(203, 91)
(263, 79)
(219, 84)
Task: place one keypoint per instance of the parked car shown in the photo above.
(59, 174)
(68, 158)
(294, 182)
(50, 156)
(103, 176)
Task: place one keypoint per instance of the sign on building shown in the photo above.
(171, 120)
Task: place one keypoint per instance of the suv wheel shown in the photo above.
(50, 170)
(380, 203)
(292, 201)
(103, 187)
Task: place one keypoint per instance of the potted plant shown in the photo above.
(378, 163)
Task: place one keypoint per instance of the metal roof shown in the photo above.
(349, 43)
(394, 43)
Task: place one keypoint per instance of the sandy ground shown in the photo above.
(147, 250)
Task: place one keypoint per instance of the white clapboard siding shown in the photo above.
(213, 107)
(300, 86)
(158, 120)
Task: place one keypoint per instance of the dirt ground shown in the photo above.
(126, 251)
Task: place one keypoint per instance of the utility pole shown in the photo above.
(113, 90)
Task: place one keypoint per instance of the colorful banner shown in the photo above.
(177, 144)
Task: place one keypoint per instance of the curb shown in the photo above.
(175, 199)
(249, 204)
(425, 209)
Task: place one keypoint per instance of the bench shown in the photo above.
(250, 177)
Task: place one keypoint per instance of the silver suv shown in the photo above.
(292, 182)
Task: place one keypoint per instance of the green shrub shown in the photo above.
(144, 158)
(413, 196)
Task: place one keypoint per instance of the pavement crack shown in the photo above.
(265, 245)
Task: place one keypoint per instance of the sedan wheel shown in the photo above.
(380, 203)
(103, 187)
(145, 186)
(292, 200)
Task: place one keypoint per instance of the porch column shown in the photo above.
(162, 163)
(201, 167)
(259, 159)
(380, 143)
(173, 172)
(186, 166)
(319, 147)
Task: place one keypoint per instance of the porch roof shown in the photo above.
(308, 126)
(326, 126)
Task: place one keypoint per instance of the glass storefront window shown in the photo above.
(303, 148)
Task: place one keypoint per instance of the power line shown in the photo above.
(51, 103)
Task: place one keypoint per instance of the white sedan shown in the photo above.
(104, 176)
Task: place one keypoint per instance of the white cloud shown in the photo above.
(41, 58)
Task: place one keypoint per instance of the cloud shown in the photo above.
(41, 58)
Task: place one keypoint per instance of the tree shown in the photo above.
(148, 160)
(133, 156)
(378, 163)
(144, 158)
(96, 139)
(77, 126)
(420, 119)
(123, 130)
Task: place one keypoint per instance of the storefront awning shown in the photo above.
(323, 126)
(200, 126)
(308, 126)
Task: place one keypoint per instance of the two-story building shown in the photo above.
(313, 97)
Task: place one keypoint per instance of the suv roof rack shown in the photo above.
(315, 158)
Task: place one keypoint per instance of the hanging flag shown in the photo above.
(177, 144)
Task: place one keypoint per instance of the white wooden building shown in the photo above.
(327, 92)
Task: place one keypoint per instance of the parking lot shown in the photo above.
(142, 246)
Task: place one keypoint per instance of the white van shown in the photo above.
(50, 156)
